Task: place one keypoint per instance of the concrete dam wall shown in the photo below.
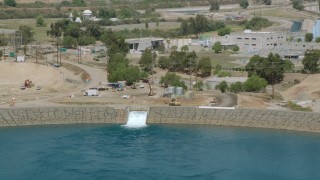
(301, 121)
(61, 115)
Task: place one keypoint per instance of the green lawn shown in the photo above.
(40, 32)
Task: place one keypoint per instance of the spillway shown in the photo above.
(137, 119)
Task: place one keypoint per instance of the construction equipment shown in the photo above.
(28, 83)
(174, 102)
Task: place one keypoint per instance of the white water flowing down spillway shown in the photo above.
(137, 119)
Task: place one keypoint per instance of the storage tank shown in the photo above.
(179, 91)
(170, 90)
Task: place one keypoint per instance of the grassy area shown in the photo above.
(277, 12)
(296, 107)
(225, 60)
(162, 26)
(40, 32)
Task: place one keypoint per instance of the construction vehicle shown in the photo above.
(213, 102)
(174, 102)
(28, 83)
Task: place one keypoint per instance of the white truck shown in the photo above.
(91, 92)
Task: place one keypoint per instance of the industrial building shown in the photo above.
(138, 45)
(251, 42)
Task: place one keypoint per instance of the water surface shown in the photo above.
(157, 152)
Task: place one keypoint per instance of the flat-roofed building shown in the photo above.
(140, 44)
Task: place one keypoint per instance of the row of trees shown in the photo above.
(199, 24)
(253, 84)
(187, 62)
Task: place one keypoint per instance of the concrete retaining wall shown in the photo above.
(61, 115)
(301, 121)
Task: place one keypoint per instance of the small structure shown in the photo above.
(316, 28)
(87, 14)
(70, 17)
(21, 59)
(78, 20)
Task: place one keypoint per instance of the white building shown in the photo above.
(87, 14)
(250, 41)
(140, 44)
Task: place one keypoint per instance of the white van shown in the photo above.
(91, 92)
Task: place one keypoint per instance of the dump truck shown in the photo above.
(174, 102)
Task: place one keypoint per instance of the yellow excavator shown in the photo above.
(174, 102)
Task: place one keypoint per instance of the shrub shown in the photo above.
(198, 86)
(222, 86)
(255, 83)
(296, 107)
(236, 87)
(224, 74)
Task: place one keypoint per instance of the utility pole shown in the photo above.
(4, 46)
(36, 52)
(273, 80)
(190, 72)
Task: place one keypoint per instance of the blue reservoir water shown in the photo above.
(157, 152)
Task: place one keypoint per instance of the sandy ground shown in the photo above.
(57, 90)
(13, 75)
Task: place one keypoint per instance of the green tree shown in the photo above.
(214, 5)
(147, 25)
(198, 86)
(117, 60)
(254, 84)
(184, 48)
(94, 30)
(308, 37)
(217, 69)
(271, 68)
(297, 4)
(317, 39)
(224, 31)
(146, 60)
(73, 30)
(299, 40)
(235, 48)
(69, 42)
(244, 4)
(311, 61)
(27, 34)
(11, 3)
(267, 2)
(205, 66)
(115, 43)
(172, 79)
(184, 27)
(256, 23)
(222, 86)
(85, 40)
(25, 48)
(132, 75)
(163, 62)
(1, 54)
(236, 87)
(79, 2)
(217, 47)
(177, 61)
(40, 21)
(288, 65)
